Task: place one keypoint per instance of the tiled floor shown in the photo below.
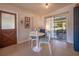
(58, 49)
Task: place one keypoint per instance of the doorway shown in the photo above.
(57, 25)
(7, 29)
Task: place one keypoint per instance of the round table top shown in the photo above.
(36, 33)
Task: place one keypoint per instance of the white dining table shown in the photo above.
(36, 48)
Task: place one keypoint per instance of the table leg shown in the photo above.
(37, 48)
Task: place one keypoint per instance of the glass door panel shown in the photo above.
(8, 21)
(50, 26)
(60, 27)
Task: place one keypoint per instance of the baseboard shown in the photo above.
(70, 42)
(19, 42)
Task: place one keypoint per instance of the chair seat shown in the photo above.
(43, 40)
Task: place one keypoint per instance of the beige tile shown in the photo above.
(59, 48)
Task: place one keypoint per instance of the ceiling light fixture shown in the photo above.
(46, 5)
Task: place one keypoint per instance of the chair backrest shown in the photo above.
(42, 30)
(46, 39)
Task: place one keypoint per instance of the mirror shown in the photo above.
(8, 21)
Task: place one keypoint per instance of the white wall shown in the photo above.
(22, 33)
(38, 22)
(68, 9)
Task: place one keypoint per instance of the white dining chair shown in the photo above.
(47, 40)
(32, 39)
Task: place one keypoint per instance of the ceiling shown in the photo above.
(39, 8)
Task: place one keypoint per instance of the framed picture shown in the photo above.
(27, 22)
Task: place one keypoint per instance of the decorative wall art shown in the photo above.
(27, 22)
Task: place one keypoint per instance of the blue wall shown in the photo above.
(76, 28)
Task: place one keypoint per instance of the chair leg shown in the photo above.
(31, 43)
(50, 48)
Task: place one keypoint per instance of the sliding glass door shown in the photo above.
(50, 25)
(57, 27)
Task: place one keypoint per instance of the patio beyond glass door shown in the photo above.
(60, 28)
